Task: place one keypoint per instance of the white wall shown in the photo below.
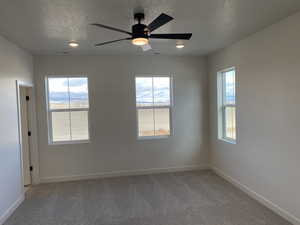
(15, 64)
(114, 146)
(266, 157)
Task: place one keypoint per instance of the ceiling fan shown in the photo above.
(141, 33)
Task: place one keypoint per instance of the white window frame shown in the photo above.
(221, 106)
(155, 107)
(49, 111)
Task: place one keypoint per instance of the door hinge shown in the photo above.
(27, 98)
(29, 133)
(31, 168)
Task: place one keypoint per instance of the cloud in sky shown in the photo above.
(61, 84)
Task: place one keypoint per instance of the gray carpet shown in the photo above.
(185, 198)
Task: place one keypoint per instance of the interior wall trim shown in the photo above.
(11, 209)
(266, 202)
(123, 173)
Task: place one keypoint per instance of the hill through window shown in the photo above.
(68, 109)
(153, 105)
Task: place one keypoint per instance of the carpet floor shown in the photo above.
(183, 198)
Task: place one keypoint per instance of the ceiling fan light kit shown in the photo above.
(140, 41)
(141, 33)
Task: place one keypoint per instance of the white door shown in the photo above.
(25, 135)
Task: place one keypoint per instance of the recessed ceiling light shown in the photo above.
(179, 45)
(73, 44)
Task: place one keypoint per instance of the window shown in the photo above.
(68, 109)
(227, 105)
(154, 106)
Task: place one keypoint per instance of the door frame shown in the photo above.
(33, 147)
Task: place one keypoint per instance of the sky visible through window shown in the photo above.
(230, 87)
(68, 108)
(153, 103)
(152, 91)
(229, 102)
(68, 92)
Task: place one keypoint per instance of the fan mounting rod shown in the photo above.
(139, 17)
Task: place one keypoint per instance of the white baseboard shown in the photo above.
(122, 173)
(11, 209)
(269, 204)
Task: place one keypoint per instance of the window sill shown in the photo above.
(230, 141)
(70, 142)
(153, 137)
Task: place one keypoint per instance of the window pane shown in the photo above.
(61, 126)
(145, 122)
(230, 123)
(161, 91)
(230, 87)
(58, 93)
(79, 92)
(79, 125)
(162, 121)
(144, 95)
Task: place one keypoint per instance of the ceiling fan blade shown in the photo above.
(146, 47)
(108, 42)
(185, 36)
(110, 28)
(161, 20)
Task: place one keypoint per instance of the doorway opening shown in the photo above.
(27, 132)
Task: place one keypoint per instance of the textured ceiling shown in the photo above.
(46, 26)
